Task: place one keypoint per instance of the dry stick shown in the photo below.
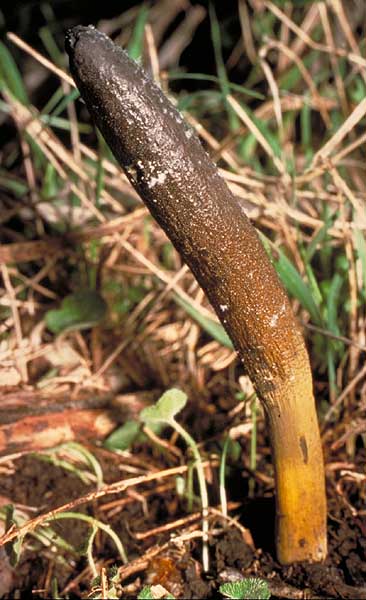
(183, 190)
(113, 488)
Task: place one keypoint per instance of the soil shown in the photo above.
(44, 486)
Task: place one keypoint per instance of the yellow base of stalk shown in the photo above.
(301, 510)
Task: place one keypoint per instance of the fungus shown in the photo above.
(184, 192)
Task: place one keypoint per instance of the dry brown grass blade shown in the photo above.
(40, 58)
(349, 124)
(243, 116)
(353, 58)
(37, 249)
(317, 99)
(16, 320)
(323, 12)
(347, 390)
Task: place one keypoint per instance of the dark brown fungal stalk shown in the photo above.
(180, 185)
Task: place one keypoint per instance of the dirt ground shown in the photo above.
(43, 486)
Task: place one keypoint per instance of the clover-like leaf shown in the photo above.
(246, 589)
(80, 310)
(168, 405)
(150, 592)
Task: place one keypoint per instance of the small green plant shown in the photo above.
(78, 311)
(245, 589)
(107, 585)
(76, 459)
(150, 592)
(47, 536)
(123, 437)
(164, 411)
(95, 524)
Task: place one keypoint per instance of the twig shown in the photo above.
(114, 488)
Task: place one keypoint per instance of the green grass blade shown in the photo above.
(319, 238)
(71, 97)
(313, 284)
(51, 46)
(333, 300)
(10, 76)
(360, 245)
(220, 66)
(306, 132)
(53, 101)
(209, 99)
(8, 182)
(266, 132)
(173, 76)
(64, 124)
(211, 327)
(292, 280)
(216, 41)
(135, 45)
(333, 347)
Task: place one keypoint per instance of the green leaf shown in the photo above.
(123, 437)
(14, 548)
(80, 310)
(211, 327)
(320, 238)
(292, 280)
(49, 184)
(66, 100)
(54, 589)
(15, 186)
(204, 77)
(146, 593)
(333, 299)
(136, 42)
(360, 245)
(168, 405)
(246, 589)
(46, 35)
(306, 129)
(220, 65)
(10, 75)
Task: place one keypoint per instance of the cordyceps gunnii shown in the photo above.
(166, 163)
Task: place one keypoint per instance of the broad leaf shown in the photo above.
(78, 311)
(168, 405)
